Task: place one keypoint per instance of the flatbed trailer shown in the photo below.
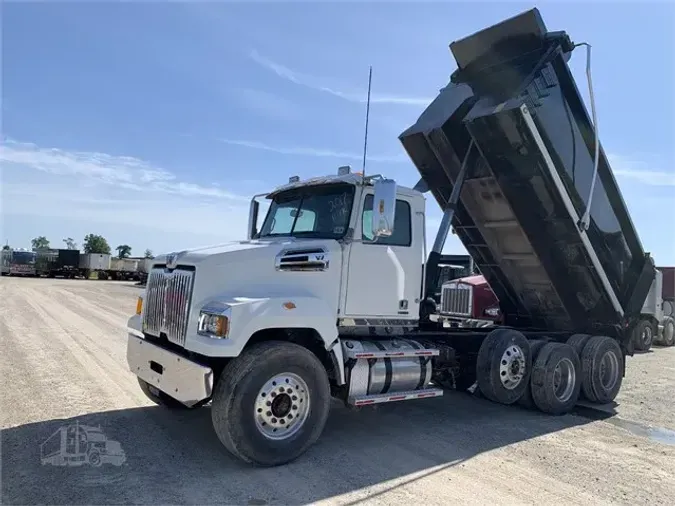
(327, 298)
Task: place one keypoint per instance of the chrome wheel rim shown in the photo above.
(512, 367)
(564, 379)
(282, 406)
(609, 370)
(646, 334)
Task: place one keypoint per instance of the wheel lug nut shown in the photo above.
(274, 420)
(269, 413)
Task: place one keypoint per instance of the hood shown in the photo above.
(476, 280)
(236, 251)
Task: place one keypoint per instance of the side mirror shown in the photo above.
(384, 207)
(253, 219)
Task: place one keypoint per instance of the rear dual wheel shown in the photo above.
(667, 338)
(643, 335)
(602, 364)
(503, 366)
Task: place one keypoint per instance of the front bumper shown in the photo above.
(179, 377)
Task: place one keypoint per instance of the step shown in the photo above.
(365, 400)
(424, 352)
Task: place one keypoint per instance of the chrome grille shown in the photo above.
(456, 299)
(166, 307)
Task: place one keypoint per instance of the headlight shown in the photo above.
(214, 320)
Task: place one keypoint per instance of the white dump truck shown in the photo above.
(327, 298)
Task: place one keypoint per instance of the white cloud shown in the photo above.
(318, 84)
(121, 171)
(640, 172)
(318, 152)
(62, 193)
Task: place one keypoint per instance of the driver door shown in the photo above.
(384, 278)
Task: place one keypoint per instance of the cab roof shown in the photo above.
(352, 179)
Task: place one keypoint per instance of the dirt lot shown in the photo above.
(62, 353)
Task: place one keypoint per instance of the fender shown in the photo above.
(250, 315)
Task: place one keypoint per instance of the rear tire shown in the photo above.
(643, 335)
(578, 342)
(503, 366)
(601, 369)
(668, 336)
(556, 379)
(294, 420)
(526, 400)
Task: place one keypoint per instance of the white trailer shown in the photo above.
(95, 261)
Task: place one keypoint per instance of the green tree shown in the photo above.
(70, 243)
(123, 251)
(40, 243)
(148, 254)
(94, 243)
(6, 247)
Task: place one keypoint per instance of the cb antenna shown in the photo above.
(365, 140)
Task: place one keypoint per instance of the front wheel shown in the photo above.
(271, 403)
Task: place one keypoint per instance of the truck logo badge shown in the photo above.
(171, 260)
(78, 445)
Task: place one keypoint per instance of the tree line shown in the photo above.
(93, 243)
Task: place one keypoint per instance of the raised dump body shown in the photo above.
(514, 111)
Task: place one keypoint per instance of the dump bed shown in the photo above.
(514, 101)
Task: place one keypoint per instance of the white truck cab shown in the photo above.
(335, 256)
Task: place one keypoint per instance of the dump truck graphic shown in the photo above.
(76, 445)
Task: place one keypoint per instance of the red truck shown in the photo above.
(469, 302)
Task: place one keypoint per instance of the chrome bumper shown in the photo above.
(182, 379)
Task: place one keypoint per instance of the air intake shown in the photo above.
(314, 259)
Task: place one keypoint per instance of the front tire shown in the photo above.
(271, 403)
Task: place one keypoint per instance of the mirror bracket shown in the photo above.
(384, 208)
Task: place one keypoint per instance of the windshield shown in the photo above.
(23, 257)
(315, 211)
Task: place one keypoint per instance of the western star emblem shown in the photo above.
(171, 260)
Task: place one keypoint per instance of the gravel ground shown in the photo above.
(63, 361)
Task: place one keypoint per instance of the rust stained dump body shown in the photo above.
(528, 181)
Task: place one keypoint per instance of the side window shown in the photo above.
(402, 235)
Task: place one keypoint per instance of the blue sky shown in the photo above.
(153, 123)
